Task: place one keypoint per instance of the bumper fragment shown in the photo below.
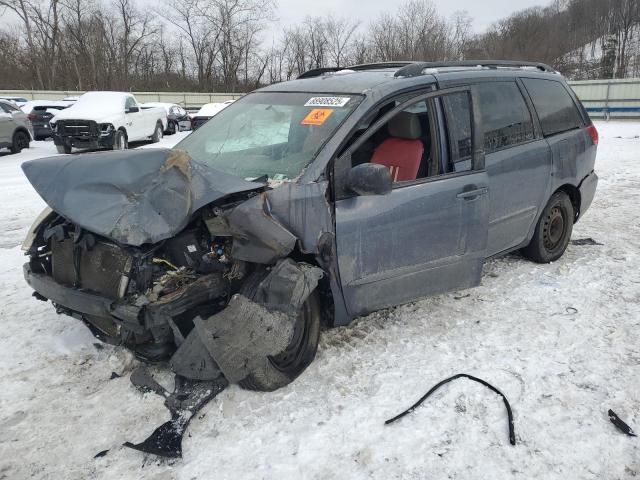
(70, 298)
(587, 191)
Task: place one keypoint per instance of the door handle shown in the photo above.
(471, 194)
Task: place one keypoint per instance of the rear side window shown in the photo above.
(457, 107)
(504, 115)
(556, 109)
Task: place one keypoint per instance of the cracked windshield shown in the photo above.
(272, 134)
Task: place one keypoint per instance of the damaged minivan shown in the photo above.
(307, 202)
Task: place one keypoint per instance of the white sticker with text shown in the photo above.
(327, 102)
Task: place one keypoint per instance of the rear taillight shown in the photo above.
(593, 133)
(32, 116)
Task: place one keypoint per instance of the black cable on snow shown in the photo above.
(512, 434)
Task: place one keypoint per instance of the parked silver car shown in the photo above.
(15, 128)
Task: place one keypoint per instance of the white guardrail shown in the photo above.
(601, 98)
(188, 100)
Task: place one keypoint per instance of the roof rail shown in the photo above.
(316, 72)
(416, 68)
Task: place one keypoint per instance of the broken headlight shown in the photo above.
(106, 129)
(33, 231)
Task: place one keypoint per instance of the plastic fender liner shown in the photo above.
(512, 435)
(244, 334)
(187, 398)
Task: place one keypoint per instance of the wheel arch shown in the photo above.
(574, 195)
(22, 129)
(327, 304)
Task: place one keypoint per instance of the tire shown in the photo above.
(553, 231)
(63, 149)
(172, 128)
(281, 370)
(120, 141)
(157, 133)
(20, 141)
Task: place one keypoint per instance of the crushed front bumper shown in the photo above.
(85, 141)
(152, 321)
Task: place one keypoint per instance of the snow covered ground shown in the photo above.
(562, 341)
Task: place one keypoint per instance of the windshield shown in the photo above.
(269, 133)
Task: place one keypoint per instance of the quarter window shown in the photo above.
(504, 116)
(556, 109)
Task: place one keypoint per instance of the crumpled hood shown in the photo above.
(131, 196)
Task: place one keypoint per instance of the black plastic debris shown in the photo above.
(585, 241)
(512, 435)
(620, 425)
(187, 398)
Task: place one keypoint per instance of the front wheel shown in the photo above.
(282, 369)
(553, 230)
(63, 148)
(120, 141)
(20, 141)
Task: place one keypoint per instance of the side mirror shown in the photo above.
(132, 110)
(369, 179)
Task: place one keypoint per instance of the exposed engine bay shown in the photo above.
(156, 290)
(150, 295)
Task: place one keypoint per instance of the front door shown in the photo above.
(134, 121)
(6, 125)
(429, 234)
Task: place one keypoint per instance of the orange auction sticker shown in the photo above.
(317, 116)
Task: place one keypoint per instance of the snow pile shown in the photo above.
(562, 341)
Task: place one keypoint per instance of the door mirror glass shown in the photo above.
(369, 179)
(132, 110)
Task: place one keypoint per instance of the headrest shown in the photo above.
(405, 125)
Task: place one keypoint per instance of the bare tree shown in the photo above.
(338, 33)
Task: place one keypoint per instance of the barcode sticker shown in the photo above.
(327, 102)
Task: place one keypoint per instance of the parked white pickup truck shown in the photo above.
(106, 120)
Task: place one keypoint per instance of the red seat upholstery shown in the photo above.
(402, 151)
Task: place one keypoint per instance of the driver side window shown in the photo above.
(426, 139)
(129, 102)
(404, 144)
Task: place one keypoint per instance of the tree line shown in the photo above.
(228, 45)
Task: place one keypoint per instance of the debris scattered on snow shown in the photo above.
(512, 434)
(585, 241)
(620, 425)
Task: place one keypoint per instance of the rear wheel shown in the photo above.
(553, 230)
(157, 134)
(63, 148)
(20, 141)
(280, 370)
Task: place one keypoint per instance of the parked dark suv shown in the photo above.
(326, 197)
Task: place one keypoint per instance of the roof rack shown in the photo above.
(316, 72)
(416, 68)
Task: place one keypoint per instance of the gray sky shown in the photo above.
(483, 12)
